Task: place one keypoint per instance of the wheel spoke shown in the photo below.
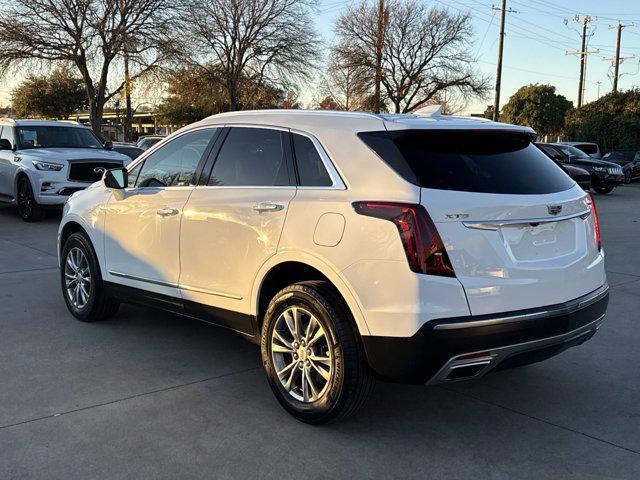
(323, 373)
(314, 390)
(281, 339)
(281, 349)
(289, 382)
(281, 373)
(310, 328)
(305, 387)
(325, 360)
(318, 335)
(291, 324)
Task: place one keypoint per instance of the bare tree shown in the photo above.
(345, 84)
(253, 42)
(425, 52)
(89, 34)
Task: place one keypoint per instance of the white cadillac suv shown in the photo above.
(413, 248)
(43, 162)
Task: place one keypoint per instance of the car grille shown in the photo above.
(614, 170)
(86, 171)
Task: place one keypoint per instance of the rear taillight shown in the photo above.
(596, 224)
(420, 239)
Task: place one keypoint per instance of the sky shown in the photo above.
(536, 43)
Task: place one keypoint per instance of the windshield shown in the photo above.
(573, 152)
(57, 137)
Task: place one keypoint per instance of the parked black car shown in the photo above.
(579, 175)
(629, 160)
(605, 176)
(129, 149)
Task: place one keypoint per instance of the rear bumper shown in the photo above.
(465, 347)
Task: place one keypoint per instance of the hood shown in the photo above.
(71, 154)
(573, 170)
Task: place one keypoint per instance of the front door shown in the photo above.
(232, 225)
(142, 226)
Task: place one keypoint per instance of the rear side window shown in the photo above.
(251, 157)
(311, 170)
(469, 161)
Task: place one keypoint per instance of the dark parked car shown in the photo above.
(579, 175)
(605, 176)
(128, 149)
(629, 160)
(147, 141)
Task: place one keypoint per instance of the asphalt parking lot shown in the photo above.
(154, 395)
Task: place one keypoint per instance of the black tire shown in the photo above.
(98, 306)
(28, 209)
(351, 379)
(603, 190)
(627, 177)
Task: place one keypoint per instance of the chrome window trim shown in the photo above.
(336, 179)
(495, 224)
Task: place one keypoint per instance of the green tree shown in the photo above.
(539, 107)
(613, 121)
(57, 95)
(194, 93)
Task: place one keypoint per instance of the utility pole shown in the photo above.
(599, 83)
(617, 60)
(379, 43)
(583, 52)
(496, 99)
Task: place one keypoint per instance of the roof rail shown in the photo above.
(285, 111)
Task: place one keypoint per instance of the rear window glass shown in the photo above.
(469, 161)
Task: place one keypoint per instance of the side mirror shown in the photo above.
(108, 145)
(5, 144)
(117, 178)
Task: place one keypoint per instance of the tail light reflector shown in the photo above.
(422, 243)
(596, 224)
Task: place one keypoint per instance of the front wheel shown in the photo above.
(312, 355)
(81, 282)
(603, 190)
(28, 208)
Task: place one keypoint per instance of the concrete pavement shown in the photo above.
(153, 395)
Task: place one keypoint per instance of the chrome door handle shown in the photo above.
(167, 212)
(267, 207)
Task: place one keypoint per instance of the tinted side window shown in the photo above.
(251, 157)
(470, 161)
(310, 167)
(588, 148)
(133, 175)
(175, 163)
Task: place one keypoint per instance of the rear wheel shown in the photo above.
(312, 354)
(627, 176)
(28, 209)
(81, 281)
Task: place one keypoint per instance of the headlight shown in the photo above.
(47, 166)
(600, 169)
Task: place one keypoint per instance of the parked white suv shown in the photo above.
(349, 245)
(43, 162)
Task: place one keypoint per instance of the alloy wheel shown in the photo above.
(302, 355)
(77, 278)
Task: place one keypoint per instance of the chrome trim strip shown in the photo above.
(210, 292)
(142, 279)
(572, 307)
(495, 224)
(174, 285)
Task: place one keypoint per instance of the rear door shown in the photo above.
(519, 232)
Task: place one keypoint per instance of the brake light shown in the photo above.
(422, 243)
(596, 224)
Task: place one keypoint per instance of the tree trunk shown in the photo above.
(96, 108)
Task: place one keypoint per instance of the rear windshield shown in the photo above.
(469, 161)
